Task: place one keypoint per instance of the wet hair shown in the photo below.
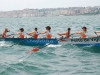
(21, 29)
(35, 29)
(6, 29)
(69, 31)
(84, 28)
(48, 27)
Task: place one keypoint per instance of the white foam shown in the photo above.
(3, 44)
(21, 60)
(54, 45)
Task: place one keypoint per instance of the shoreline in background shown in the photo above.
(51, 12)
(51, 16)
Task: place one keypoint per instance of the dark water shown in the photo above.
(52, 60)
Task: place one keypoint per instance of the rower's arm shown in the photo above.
(97, 32)
(77, 32)
(18, 33)
(30, 33)
(43, 32)
(61, 34)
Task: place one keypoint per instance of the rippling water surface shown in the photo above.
(61, 59)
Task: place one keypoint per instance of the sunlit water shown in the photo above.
(62, 59)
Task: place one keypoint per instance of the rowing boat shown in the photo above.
(43, 41)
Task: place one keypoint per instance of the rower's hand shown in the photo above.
(27, 33)
(96, 33)
(71, 34)
(59, 34)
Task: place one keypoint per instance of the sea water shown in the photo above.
(62, 59)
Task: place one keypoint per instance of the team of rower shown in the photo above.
(82, 33)
(35, 33)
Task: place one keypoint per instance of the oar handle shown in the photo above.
(31, 35)
(71, 34)
(11, 34)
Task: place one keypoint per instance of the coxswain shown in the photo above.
(34, 34)
(66, 34)
(4, 33)
(21, 33)
(47, 32)
(82, 33)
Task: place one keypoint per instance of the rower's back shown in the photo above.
(21, 33)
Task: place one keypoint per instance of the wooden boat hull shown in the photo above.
(44, 41)
(31, 41)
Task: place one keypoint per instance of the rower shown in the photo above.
(21, 33)
(34, 34)
(4, 32)
(82, 33)
(47, 32)
(67, 33)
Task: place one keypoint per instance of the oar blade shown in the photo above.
(37, 49)
(33, 50)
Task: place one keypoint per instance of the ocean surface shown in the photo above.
(62, 59)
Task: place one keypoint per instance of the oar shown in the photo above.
(32, 35)
(10, 34)
(96, 33)
(37, 49)
(18, 42)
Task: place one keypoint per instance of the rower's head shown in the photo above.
(69, 29)
(6, 30)
(84, 28)
(48, 28)
(21, 29)
(35, 29)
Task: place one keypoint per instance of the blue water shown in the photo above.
(61, 59)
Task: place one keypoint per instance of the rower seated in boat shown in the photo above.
(82, 33)
(34, 34)
(21, 33)
(4, 33)
(47, 32)
(66, 34)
